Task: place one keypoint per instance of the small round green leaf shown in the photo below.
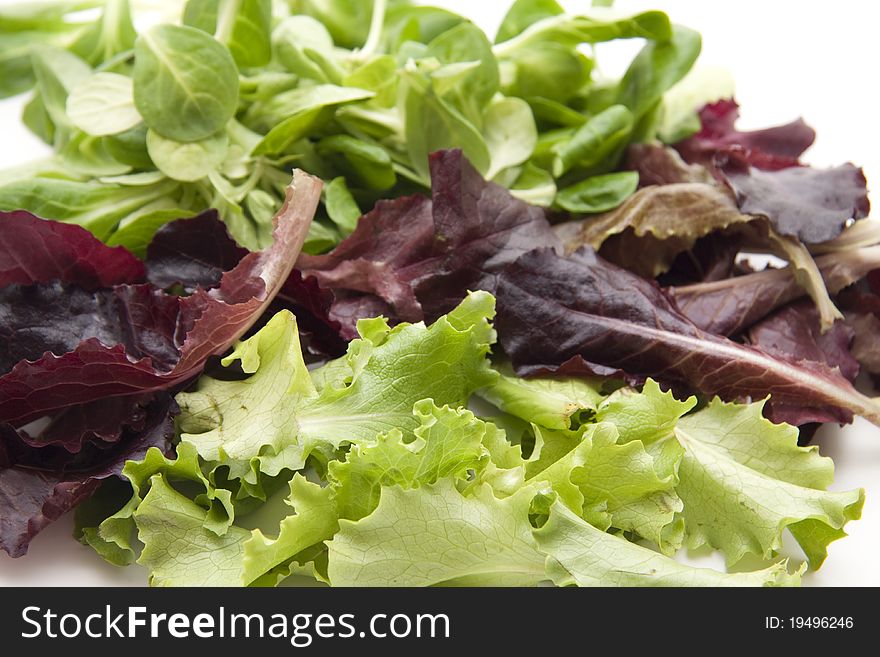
(185, 82)
(103, 104)
(187, 161)
(510, 133)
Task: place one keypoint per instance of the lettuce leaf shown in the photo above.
(762, 168)
(435, 495)
(743, 480)
(169, 337)
(585, 315)
(420, 256)
(581, 555)
(38, 486)
(277, 417)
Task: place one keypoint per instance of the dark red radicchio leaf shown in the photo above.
(170, 337)
(36, 251)
(719, 143)
(39, 486)
(730, 306)
(579, 310)
(192, 253)
(762, 168)
(416, 258)
(794, 333)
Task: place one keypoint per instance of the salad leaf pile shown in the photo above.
(94, 347)
(212, 107)
(397, 482)
(237, 379)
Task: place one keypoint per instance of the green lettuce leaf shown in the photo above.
(435, 535)
(179, 549)
(551, 403)
(277, 417)
(581, 555)
(446, 443)
(744, 480)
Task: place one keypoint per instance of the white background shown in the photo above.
(789, 58)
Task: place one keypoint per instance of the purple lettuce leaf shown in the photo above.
(662, 165)
(729, 306)
(193, 253)
(794, 333)
(101, 422)
(719, 143)
(170, 338)
(37, 251)
(312, 305)
(38, 486)
(418, 257)
(865, 346)
(813, 205)
(552, 310)
(763, 170)
(379, 257)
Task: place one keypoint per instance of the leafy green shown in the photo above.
(244, 26)
(760, 482)
(278, 416)
(423, 536)
(103, 104)
(178, 549)
(581, 555)
(598, 193)
(185, 82)
(187, 161)
(227, 101)
(370, 470)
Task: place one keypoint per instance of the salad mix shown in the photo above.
(351, 291)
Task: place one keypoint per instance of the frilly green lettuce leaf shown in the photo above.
(581, 555)
(179, 549)
(445, 444)
(315, 520)
(436, 535)
(551, 403)
(744, 480)
(112, 538)
(277, 417)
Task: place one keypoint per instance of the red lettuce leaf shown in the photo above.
(311, 304)
(813, 205)
(57, 318)
(762, 168)
(794, 333)
(101, 422)
(728, 307)
(172, 337)
(552, 310)
(36, 251)
(417, 258)
(662, 165)
(38, 486)
(379, 257)
(719, 143)
(193, 253)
